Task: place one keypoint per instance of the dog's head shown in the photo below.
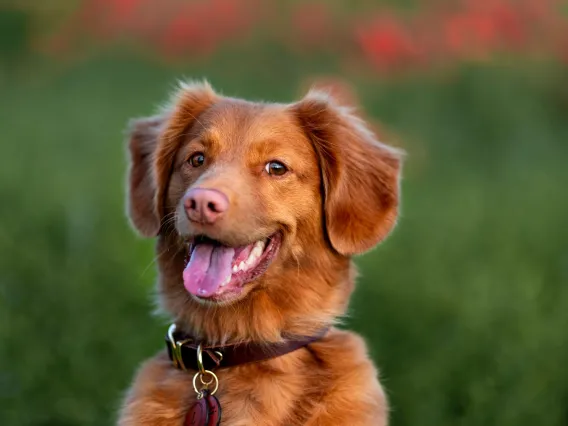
(258, 208)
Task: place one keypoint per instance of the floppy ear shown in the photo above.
(360, 175)
(153, 143)
(143, 135)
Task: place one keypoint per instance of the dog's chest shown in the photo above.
(253, 396)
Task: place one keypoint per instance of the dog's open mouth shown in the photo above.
(218, 272)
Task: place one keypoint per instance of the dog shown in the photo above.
(258, 209)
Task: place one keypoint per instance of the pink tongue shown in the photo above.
(208, 267)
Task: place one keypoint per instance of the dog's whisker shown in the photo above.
(153, 261)
(177, 136)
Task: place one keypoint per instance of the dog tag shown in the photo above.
(198, 414)
(214, 410)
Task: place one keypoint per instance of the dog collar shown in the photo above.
(187, 353)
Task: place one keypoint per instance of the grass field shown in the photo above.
(465, 307)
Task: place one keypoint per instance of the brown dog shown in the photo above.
(258, 209)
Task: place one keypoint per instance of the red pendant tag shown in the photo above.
(198, 414)
(214, 410)
(206, 411)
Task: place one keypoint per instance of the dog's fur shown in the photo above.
(340, 198)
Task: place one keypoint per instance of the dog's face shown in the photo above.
(245, 180)
(259, 205)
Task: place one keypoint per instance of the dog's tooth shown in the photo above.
(257, 251)
(260, 245)
(252, 257)
(242, 266)
(235, 269)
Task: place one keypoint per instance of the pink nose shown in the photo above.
(205, 205)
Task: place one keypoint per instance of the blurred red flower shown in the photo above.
(313, 23)
(437, 33)
(175, 27)
(387, 43)
(465, 30)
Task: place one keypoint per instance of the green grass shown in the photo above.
(465, 307)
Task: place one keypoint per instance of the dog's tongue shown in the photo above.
(208, 267)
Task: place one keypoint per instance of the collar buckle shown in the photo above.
(175, 347)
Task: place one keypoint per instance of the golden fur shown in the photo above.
(339, 199)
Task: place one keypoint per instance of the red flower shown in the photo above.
(123, 9)
(313, 23)
(387, 43)
(471, 29)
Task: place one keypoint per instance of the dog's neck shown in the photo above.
(267, 314)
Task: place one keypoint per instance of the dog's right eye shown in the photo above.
(197, 159)
(276, 168)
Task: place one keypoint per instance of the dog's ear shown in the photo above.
(152, 143)
(360, 175)
(143, 135)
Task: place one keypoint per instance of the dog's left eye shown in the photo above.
(197, 159)
(275, 168)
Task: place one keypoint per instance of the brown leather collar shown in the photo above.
(183, 350)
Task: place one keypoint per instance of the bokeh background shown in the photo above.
(465, 307)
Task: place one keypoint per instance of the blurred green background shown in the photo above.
(465, 307)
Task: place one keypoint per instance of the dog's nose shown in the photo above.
(205, 205)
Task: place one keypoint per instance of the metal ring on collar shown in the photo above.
(213, 379)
